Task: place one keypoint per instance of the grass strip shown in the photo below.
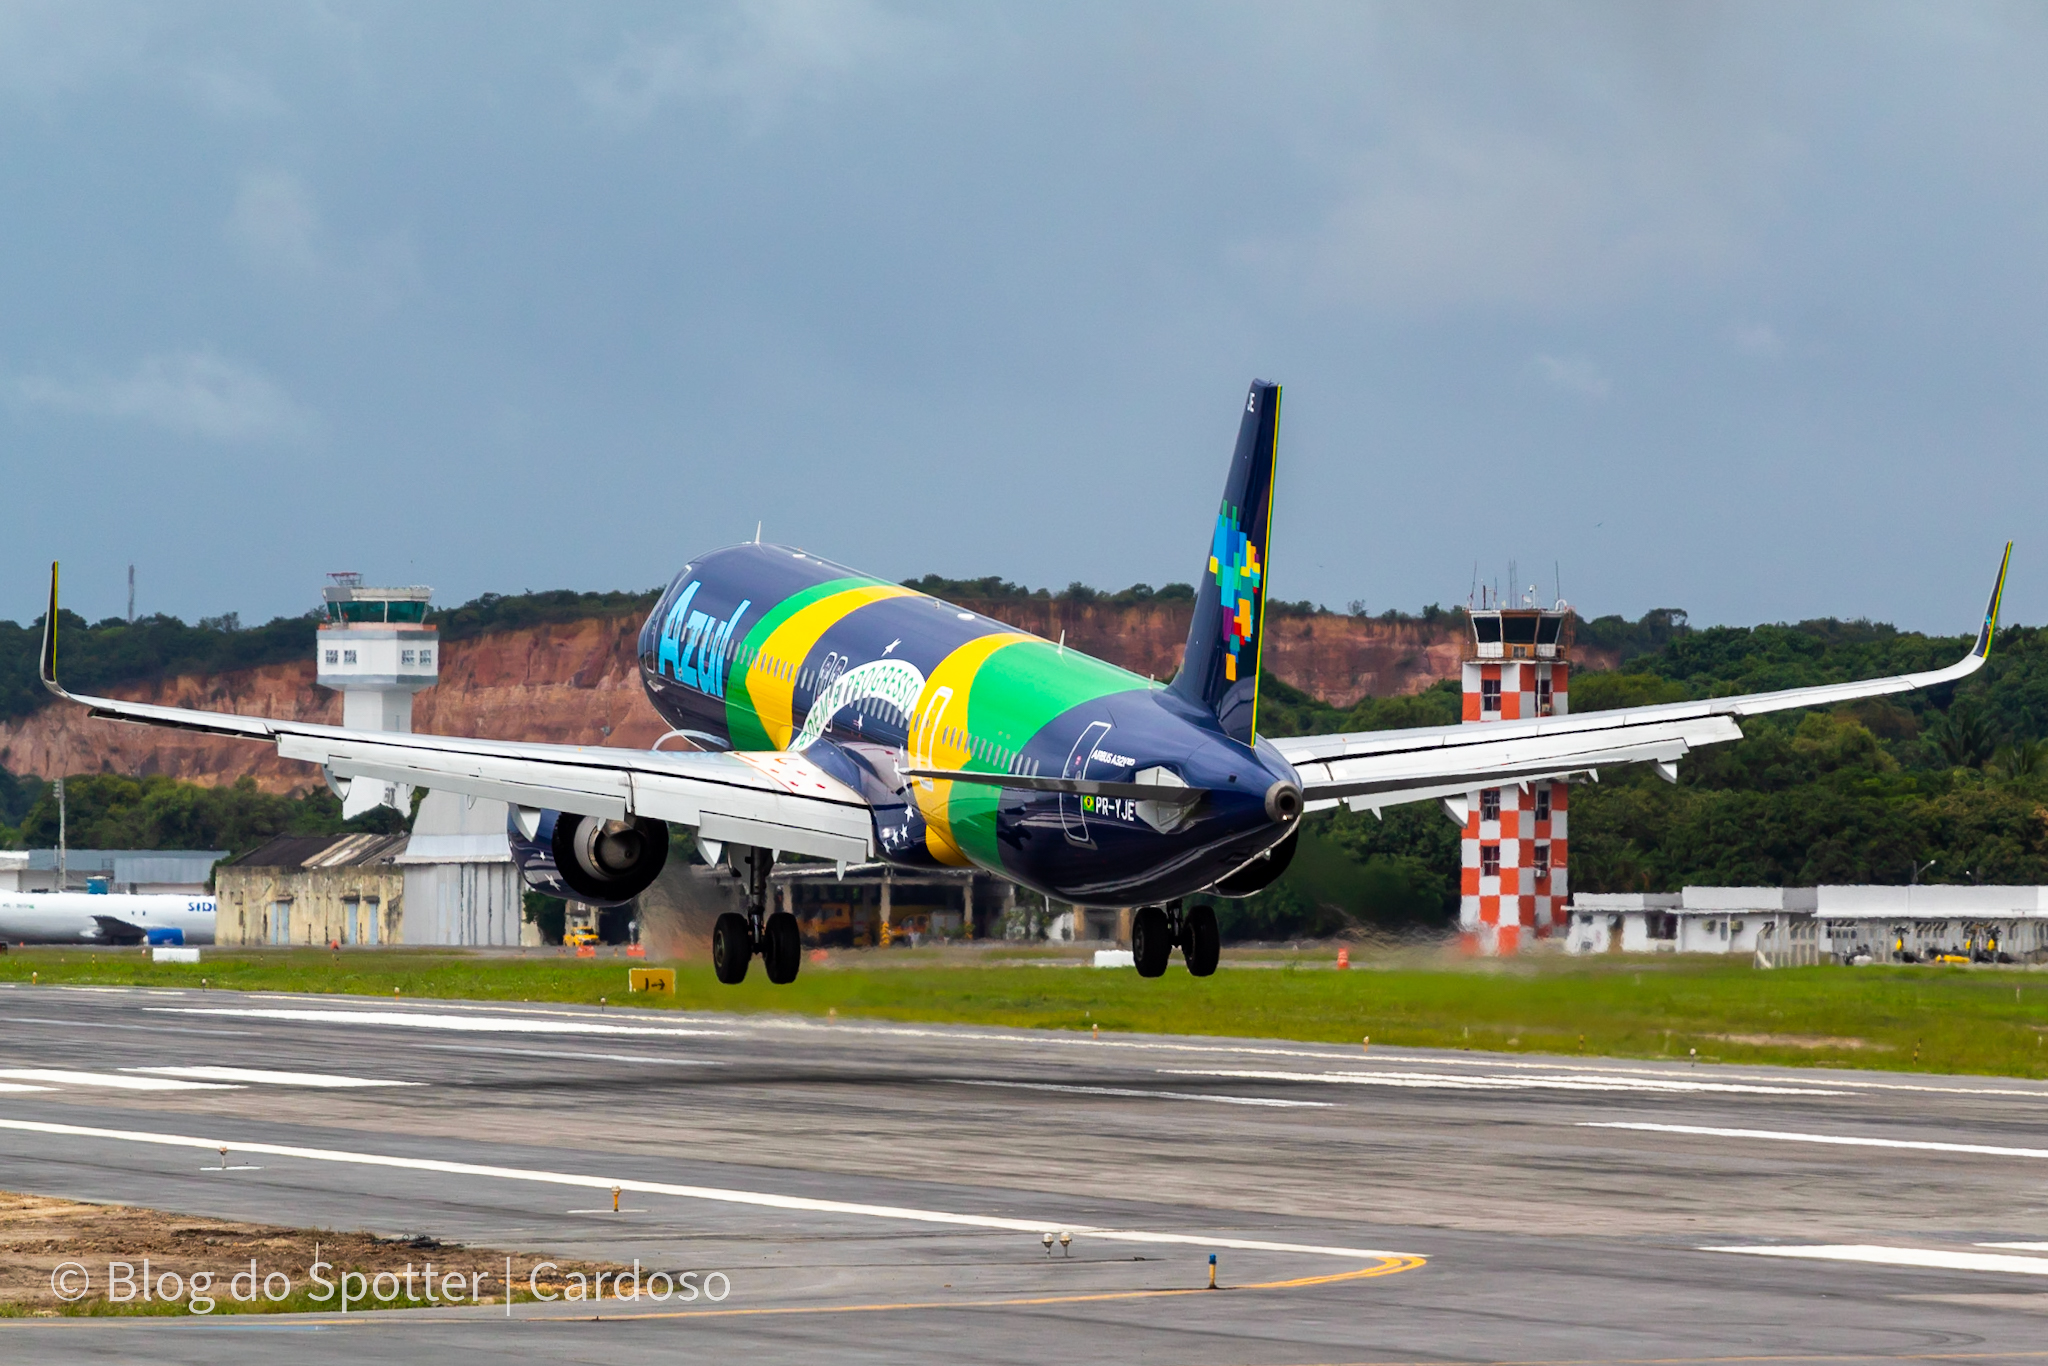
(1966, 1020)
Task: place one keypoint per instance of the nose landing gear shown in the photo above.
(1155, 930)
(736, 938)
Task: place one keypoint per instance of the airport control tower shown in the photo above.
(1514, 880)
(376, 650)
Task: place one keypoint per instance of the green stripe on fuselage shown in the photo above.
(1017, 691)
(742, 720)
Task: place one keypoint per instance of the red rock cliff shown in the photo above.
(1338, 659)
(554, 683)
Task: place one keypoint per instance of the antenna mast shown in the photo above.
(131, 595)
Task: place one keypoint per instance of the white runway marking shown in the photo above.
(1148, 1095)
(494, 1050)
(1306, 1053)
(9, 1086)
(1529, 1082)
(1393, 1056)
(265, 1078)
(486, 1024)
(758, 1199)
(63, 1078)
(147, 1029)
(1932, 1258)
(1838, 1140)
(2019, 1247)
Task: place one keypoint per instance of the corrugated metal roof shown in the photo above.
(103, 860)
(169, 866)
(322, 851)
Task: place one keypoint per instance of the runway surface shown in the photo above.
(871, 1192)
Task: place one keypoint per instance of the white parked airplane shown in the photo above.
(104, 918)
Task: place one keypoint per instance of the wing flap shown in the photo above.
(1496, 762)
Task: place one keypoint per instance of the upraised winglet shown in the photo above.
(1982, 649)
(49, 655)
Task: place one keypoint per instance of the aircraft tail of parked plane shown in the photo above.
(851, 719)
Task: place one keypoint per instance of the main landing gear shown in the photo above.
(1156, 930)
(736, 938)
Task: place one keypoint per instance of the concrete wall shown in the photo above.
(460, 883)
(463, 903)
(361, 904)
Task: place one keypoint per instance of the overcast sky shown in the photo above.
(1738, 308)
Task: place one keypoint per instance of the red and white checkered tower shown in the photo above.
(1513, 884)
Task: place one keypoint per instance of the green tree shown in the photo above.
(111, 811)
(1963, 735)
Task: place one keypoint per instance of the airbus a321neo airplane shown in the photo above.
(851, 719)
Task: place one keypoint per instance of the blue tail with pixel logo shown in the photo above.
(1220, 670)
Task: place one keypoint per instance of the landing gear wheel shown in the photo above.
(732, 948)
(1151, 940)
(781, 950)
(1200, 945)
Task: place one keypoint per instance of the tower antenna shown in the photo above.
(131, 595)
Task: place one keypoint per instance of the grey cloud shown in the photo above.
(189, 393)
(759, 55)
(692, 264)
(279, 227)
(1758, 339)
(1575, 374)
(50, 48)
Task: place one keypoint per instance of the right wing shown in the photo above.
(1374, 769)
(772, 799)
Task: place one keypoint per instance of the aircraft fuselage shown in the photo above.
(87, 918)
(761, 647)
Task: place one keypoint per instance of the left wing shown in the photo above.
(773, 800)
(1373, 769)
(113, 927)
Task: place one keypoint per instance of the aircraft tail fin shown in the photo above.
(1220, 670)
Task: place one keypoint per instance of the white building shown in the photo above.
(1792, 926)
(1777, 922)
(147, 872)
(1622, 922)
(1918, 924)
(1745, 920)
(376, 650)
(461, 886)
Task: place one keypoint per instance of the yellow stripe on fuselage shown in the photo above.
(773, 689)
(938, 729)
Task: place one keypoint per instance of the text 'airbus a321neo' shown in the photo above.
(851, 719)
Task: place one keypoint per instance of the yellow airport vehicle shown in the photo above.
(577, 939)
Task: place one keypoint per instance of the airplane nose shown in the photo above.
(1283, 802)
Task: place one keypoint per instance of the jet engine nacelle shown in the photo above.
(586, 859)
